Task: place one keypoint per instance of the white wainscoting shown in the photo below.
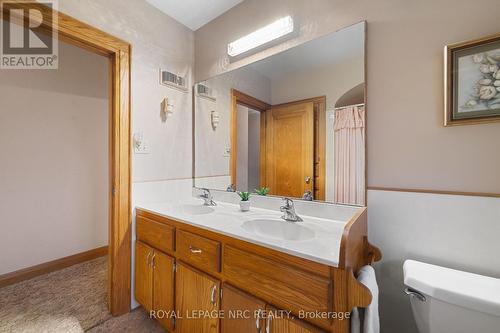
(158, 191)
(455, 231)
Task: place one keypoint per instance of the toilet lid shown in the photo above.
(472, 291)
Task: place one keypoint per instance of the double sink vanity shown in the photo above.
(203, 268)
(289, 125)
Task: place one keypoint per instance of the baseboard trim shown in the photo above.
(47, 267)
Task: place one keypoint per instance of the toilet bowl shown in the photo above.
(445, 300)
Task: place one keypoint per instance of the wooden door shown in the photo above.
(143, 275)
(279, 322)
(243, 313)
(196, 293)
(163, 288)
(289, 154)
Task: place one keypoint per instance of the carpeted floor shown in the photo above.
(71, 300)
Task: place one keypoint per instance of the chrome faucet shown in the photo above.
(207, 197)
(289, 211)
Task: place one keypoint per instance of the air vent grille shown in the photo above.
(173, 80)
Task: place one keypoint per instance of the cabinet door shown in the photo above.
(143, 275)
(278, 322)
(163, 288)
(243, 313)
(197, 301)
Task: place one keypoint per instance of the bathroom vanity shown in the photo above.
(215, 269)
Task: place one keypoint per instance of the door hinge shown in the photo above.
(113, 191)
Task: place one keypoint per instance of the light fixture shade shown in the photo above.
(259, 37)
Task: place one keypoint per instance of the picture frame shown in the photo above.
(472, 81)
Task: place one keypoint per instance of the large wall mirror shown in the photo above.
(293, 123)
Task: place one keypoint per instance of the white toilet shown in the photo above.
(445, 300)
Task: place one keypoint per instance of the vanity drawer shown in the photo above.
(278, 283)
(199, 251)
(155, 234)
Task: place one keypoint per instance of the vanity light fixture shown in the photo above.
(259, 37)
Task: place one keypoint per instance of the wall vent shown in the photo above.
(173, 80)
(204, 91)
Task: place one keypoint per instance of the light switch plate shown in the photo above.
(143, 148)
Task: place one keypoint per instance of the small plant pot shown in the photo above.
(244, 206)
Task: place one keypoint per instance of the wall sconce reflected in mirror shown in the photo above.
(167, 107)
(214, 116)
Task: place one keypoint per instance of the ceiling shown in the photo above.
(328, 50)
(194, 13)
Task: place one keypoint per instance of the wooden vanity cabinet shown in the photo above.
(143, 275)
(181, 267)
(196, 300)
(244, 313)
(276, 323)
(154, 282)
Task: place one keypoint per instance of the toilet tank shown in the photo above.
(445, 300)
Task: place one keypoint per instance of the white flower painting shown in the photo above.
(479, 82)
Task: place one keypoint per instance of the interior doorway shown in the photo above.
(117, 53)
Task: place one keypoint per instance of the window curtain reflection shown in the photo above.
(349, 155)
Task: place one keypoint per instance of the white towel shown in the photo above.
(367, 318)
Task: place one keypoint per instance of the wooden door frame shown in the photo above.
(237, 97)
(118, 52)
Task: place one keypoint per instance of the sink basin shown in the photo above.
(194, 209)
(278, 229)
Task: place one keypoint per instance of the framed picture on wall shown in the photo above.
(472, 81)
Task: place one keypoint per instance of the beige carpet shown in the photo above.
(71, 300)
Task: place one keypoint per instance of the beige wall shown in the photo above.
(407, 145)
(158, 41)
(54, 169)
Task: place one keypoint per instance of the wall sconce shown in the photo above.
(215, 118)
(167, 107)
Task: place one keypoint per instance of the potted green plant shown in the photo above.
(245, 201)
(262, 191)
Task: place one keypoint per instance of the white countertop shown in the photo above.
(227, 219)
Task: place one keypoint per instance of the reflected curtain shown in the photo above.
(349, 155)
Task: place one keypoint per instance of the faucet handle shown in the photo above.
(288, 202)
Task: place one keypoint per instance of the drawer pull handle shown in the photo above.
(269, 321)
(212, 296)
(153, 260)
(194, 249)
(257, 322)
